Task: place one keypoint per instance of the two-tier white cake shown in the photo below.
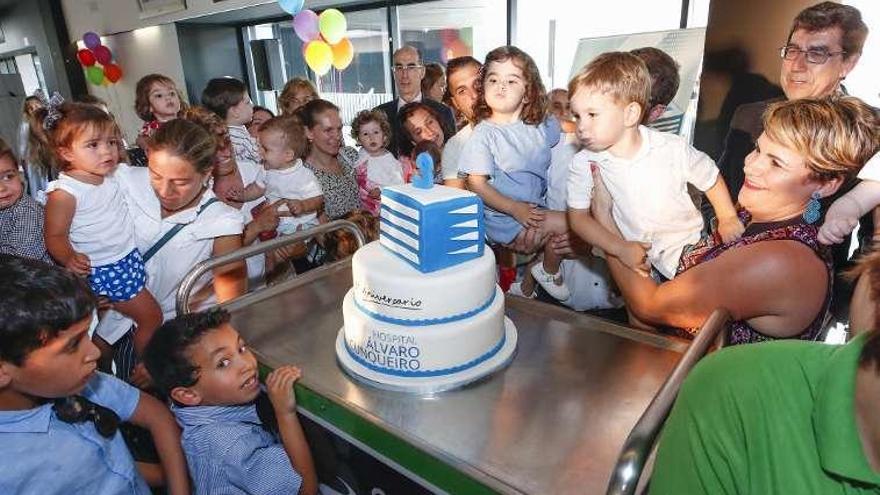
(425, 313)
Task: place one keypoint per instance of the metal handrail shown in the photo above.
(638, 445)
(184, 291)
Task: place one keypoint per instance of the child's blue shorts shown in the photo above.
(119, 281)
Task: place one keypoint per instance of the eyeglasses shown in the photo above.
(78, 409)
(400, 69)
(814, 56)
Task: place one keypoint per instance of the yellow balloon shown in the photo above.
(343, 54)
(319, 56)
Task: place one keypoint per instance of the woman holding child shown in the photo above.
(776, 279)
(174, 191)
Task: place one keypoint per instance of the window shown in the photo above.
(451, 28)
(550, 30)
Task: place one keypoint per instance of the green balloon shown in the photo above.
(332, 25)
(95, 75)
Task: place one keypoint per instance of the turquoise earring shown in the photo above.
(814, 209)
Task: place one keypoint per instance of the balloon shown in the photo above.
(103, 54)
(113, 72)
(332, 25)
(306, 25)
(319, 56)
(95, 75)
(343, 53)
(291, 6)
(86, 57)
(92, 40)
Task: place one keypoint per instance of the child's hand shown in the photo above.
(235, 194)
(375, 193)
(79, 264)
(730, 228)
(280, 387)
(295, 206)
(840, 220)
(635, 256)
(528, 215)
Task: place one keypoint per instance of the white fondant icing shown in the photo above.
(471, 224)
(406, 210)
(470, 236)
(467, 209)
(397, 248)
(399, 235)
(469, 249)
(400, 348)
(400, 222)
(429, 196)
(379, 276)
(428, 385)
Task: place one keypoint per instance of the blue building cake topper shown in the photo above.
(431, 227)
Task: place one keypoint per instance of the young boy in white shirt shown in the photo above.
(228, 97)
(646, 172)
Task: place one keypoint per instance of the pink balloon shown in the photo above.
(305, 24)
(103, 54)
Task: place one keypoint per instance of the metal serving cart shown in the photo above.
(554, 421)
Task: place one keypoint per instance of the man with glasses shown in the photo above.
(824, 45)
(409, 71)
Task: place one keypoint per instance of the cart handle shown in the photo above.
(184, 291)
(640, 442)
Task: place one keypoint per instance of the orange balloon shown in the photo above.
(343, 54)
(319, 56)
(112, 72)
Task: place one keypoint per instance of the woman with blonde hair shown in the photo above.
(776, 280)
(296, 93)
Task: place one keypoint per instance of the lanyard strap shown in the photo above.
(173, 232)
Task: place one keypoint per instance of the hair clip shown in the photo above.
(53, 114)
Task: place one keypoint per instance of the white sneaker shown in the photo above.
(516, 290)
(553, 284)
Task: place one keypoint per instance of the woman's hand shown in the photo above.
(730, 228)
(79, 264)
(601, 204)
(568, 245)
(528, 215)
(267, 217)
(635, 256)
(840, 220)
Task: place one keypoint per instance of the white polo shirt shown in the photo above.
(651, 201)
(452, 152)
(192, 244)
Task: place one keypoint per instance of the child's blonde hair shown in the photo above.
(377, 116)
(836, 136)
(621, 75)
(535, 97)
(292, 131)
(76, 119)
(142, 95)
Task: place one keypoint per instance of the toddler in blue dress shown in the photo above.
(507, 158)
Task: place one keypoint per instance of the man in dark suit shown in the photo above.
(408, 74)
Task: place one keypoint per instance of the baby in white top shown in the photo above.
(376, 167)
(284, 177)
